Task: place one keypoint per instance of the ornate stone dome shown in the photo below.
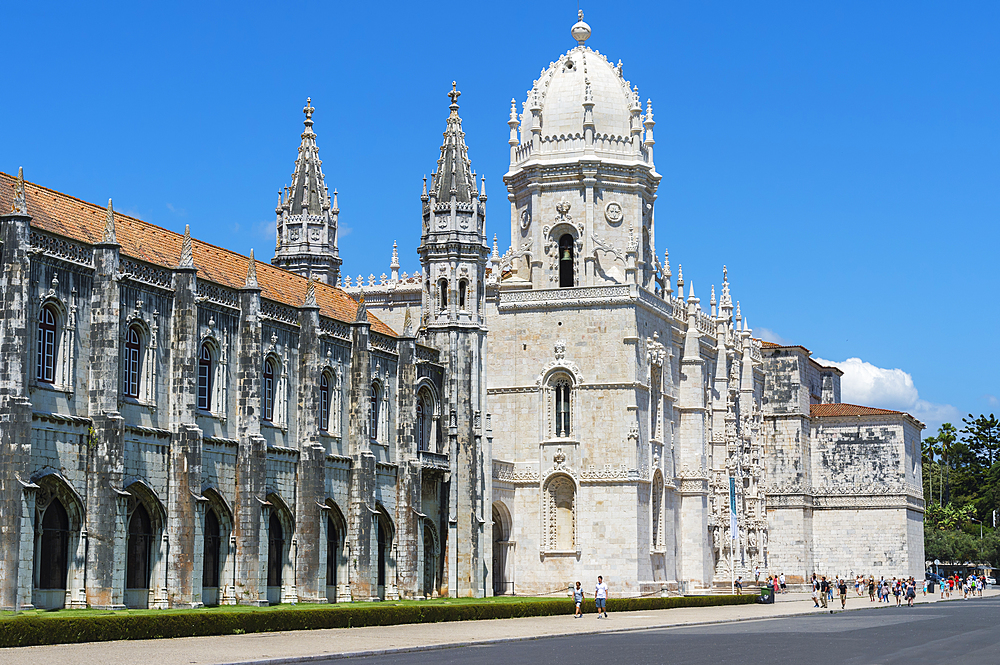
(581, 104)
(581, 75)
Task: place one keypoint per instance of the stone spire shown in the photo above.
(454, 170)
(310, 293)
(394, 266)
(307, 219)
(251, 280)
(187, 255)
(19, 206)
(109, 227)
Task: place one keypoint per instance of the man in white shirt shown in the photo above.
(601, 597)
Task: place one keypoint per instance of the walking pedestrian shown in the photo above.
(871, 588)
(739, 585)
(815, 591)
(601, 598)
(784, 587)
(824, 589)
(578, 597)
(843, 593)
(756, 575)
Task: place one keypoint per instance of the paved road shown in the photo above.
(955, 632)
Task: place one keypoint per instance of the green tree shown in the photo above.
(982, 435)
(946, 438)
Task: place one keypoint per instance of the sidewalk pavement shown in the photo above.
(306, 645)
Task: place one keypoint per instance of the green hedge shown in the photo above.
(34, 630)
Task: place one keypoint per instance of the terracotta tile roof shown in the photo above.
(64, 215)
(832, 410)
(764, 344)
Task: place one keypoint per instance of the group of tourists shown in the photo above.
(880, 590)
(972, 585)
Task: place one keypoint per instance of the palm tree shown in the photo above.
(930, 449)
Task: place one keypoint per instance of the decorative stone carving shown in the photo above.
(562, 210)
(613, 213)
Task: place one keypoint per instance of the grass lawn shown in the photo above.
(67, 614)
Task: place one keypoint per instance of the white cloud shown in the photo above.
(992, 400)
(865, 384)
(180, 212)
(769, 335)
(266, 230)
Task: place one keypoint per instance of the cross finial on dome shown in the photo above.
(454, 94)
(308, 108)
(580, 30)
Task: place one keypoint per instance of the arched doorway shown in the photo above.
(138, 555)
(52, 555)
(275, 558)
(332, 551)
(430, 561)
(501, 547)
(383, 543)
(212, 560)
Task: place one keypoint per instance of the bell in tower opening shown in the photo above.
(566, 260)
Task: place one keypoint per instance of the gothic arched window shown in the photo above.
(566, 262)
(53, 556)
(205, 369)
(375, 399)
(132, 361)
(268, 406)
(562, 388)
(443, 293)
(213, 550)
(463, 288)
(324, 401)
(47, 334)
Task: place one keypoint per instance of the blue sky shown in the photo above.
(841, 158)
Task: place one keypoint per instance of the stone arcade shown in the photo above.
(182, 425)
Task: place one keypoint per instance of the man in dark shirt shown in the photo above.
(824, 588)
(842, 588)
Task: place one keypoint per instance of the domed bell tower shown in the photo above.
(453, 254)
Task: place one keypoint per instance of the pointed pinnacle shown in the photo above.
(187, 255)
(19, 206)
(109, 226)
(251, 280)
(311, 293)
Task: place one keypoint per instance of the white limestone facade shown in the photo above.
(624, 413)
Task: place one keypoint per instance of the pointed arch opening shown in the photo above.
(503, 584)
(218, 564)
(280, 528)
(385, 570)
(144, 552)
(432, 563)
(207, 358)
(49, 330)
(443, 294)
(57, 574)
(132, 362)
(336, 561)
